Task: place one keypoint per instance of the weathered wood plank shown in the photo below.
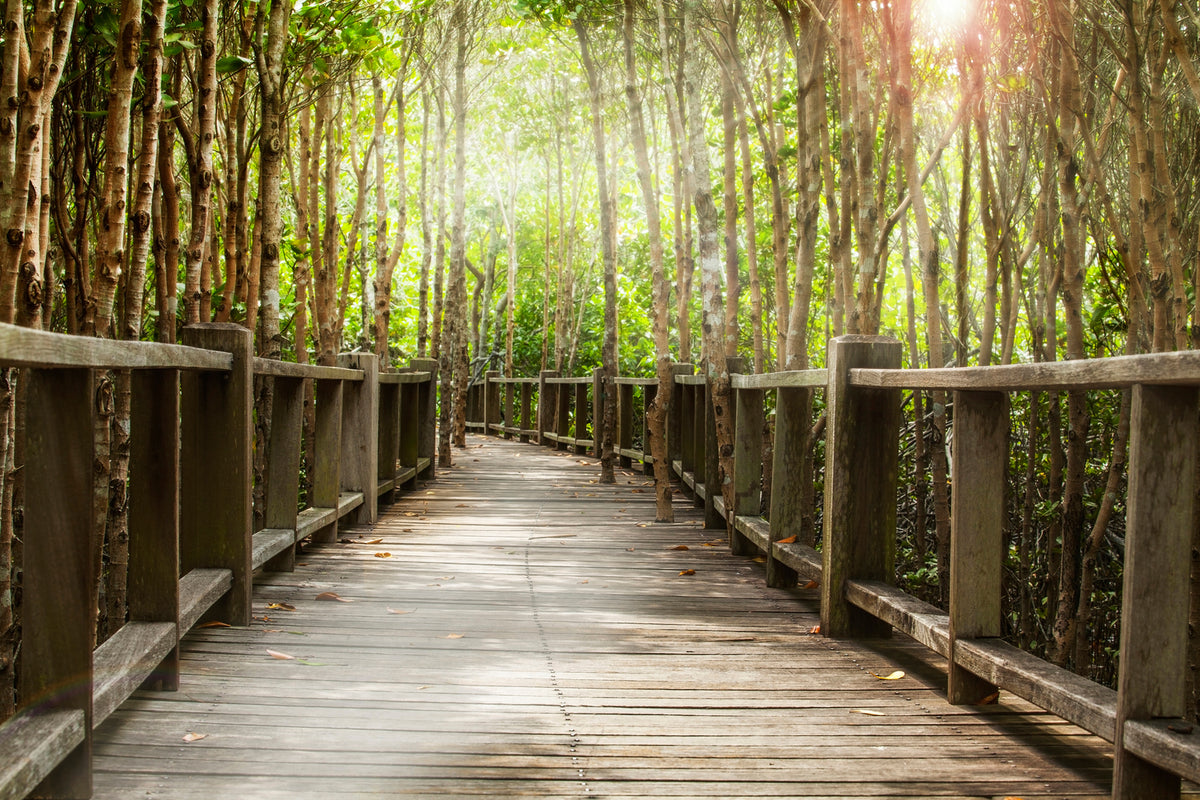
(926, 623)
(32, 745)
(270, 542)
(403, 378)
(198, 590)
(25, 347)
(1171, 744)
(793, 379)
(287, 369)
(127, 659)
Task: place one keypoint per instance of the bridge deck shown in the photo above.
(531, 635)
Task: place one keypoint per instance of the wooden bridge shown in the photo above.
(514, 628)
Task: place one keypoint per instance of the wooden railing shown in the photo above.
(193, 550)
(855, 567)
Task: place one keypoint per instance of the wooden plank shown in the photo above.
(627, 381)
(747, 455)
(925, 623)
(793, 379)
(32, 745)
(690, 380)
(755, 530)
(410, 434)
(787, 465)
(861, 463)
(1074, 698)
(198, 590)
(526, 428)
(326, 479)
(1176, 368)
(348, 502)
(582, 380)
(313, 519)
(129, 658)
(584, 420)
(427, 445)
(215, 470)
(624, 438)
(800, 558)
(547, 404)
(977, 529)
(270, 367)
(1170, 744)
(282, 474)
(358, 465)
(404, 378)
(26, 347)
(59, 569)
(1160, 516)
(153, 582)
(269, 543)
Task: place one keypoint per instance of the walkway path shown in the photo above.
(515, 629)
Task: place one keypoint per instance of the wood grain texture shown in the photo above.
(793, 379)
(326, 477)
(282, 476)
(24, 347)
(32, 745)
(747, 464)
(787, 458)
(548, 646)
(286, 369)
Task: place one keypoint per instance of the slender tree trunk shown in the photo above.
(439, 258)
(426, 234)
(200, 164)
(607, 232)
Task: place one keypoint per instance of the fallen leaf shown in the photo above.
(429, 493)
(410, 513)
(333, 596)
(788, 540)
(811, 585)
(681, 547)
(194, 737)
(760, 559)
(585, 580)
(280, 656)
(869, 712)
(630, 549)
(688, 572)
(215, 624)
(815, 629)
(272, 630)
(399, 611)
(375, 541)
(454, 635)
(642, 525)
(462, 505)
(383, 555)
(408, 530)
(281, 606)
(638, 491)
(895, 676)
(423, 688)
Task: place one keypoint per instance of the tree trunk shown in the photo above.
(200, 164)
(426, 234)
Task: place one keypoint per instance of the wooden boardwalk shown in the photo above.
(515, 629)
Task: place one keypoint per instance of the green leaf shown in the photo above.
(231, 64)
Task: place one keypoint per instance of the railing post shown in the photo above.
(215, 473)
(427, 400)
(327, 440)
(562, 414)
(582, 412)
(649, 393)
(389, 436)
(58, 606)
(861, 462)
(1154, 602)
(153, 588)
(708, 460)
(675, 426)
(409, 444)
(747, 466)
(491, 402)
(687, 433)
(977, 530)
(526, 411)
(282, 478)
(360, 435)
(787, 461)
(510, 415)
(547, 395)
(599, 396)
(625, 422)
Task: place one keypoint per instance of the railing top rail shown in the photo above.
(637, 381)
(287, 369)
(518, 381)
(585, 379)
(26, 347)
(1116, 372)
(801, 378)
(404, 377)
(690, 380)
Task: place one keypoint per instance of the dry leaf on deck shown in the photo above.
(895, 676)
(811, 585)
(215, 624)
(630, 549)
(281, 606)
(455, 635)
(383, 555)
(333, 596)
(375, 541)
(280, 656)
(869, 712)
(788, 540)
(681, 547)
(688, 572)
(760, 559)
(399, 611)
(462, 505)
(194, 737)
(815, 629)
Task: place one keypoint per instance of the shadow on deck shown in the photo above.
(516, 629)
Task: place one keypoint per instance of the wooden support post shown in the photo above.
(707, 467)
(687, 432)
(599, 392)
(625, 422)
(409, 445)
(389, 437)
(327, 438)
(649, 392)
(215, 474)
(977, 530)
(861, 462)
(360, 435)
(282, 478)
(787, 467)
(562, 414)
(747, 465)
(583, 411)
(510, 416)
(547, 403)
(59, 604)
(153, 588)
(1154, 603)
(491, 402)
(526, 411)
(427, 440)
(675, 419)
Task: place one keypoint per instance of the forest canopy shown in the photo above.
(527, 185)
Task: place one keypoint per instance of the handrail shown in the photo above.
(800, 379)
(189, 509)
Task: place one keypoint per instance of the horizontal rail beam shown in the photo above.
(25, 347)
